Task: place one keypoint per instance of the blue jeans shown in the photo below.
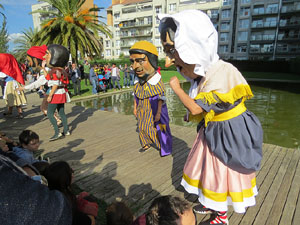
(94, 85)
(113, 80)
(126, 79)
(131, 79)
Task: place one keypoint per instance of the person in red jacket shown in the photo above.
(57, 57)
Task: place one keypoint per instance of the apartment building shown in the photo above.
(248, 29)
(38, 18)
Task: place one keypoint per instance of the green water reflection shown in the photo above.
(277, 106)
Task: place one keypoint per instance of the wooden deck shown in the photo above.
(103, 150)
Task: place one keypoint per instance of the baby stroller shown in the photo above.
(101, 87)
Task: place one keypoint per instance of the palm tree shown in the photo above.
(72, 27)
(3, 34)
(23, 43)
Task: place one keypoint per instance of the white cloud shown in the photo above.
(18, 2)
(13, 36)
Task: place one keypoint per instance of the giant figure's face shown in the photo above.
(47, 57)
(141, 65)
(32, 62)
(173, 58)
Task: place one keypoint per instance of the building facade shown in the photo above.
(248, 29)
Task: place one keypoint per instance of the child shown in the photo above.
(150, 108)
(118, 213)
(29, 143)
(60, 177)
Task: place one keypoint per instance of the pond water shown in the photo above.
(277, 105)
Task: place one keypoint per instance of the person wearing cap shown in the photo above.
(150, 106)
(221, 165)
(9, 69)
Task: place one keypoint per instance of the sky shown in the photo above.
(18, 17)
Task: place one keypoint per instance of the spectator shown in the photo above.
(86, 70)
(29, 143)
(93, 79)
(76, 78)
(118, 213)
(169, 210)
(126, 76)
(132, 75)
(107, 74)
(60, 177)
(115, 76)
(27, 202)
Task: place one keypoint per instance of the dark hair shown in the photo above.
(27, 136)
(168, 26)
(153, 59)
(41, 166)
(165, 210)
(59, 55)
(118, 213)
(59, 177)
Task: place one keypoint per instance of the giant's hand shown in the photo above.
(174, 83)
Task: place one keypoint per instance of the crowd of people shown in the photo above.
(220, 168)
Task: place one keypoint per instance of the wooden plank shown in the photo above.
(264, 181)
(269, 154)
(281, 198)
(262, 216)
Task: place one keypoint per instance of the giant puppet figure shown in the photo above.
(9, 69)
(57, 57)
(150, 106)
(35, 58)
(221, 165)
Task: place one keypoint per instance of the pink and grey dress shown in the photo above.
(221, 165)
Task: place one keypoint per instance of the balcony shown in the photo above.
(263, 38)
(137, 34)
(134, 24)
(267, 24)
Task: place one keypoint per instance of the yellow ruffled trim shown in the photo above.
(222, 197)
(239, 91)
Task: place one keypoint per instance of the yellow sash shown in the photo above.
(236, 111)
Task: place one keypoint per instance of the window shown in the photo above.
(214, 13)
(117, 15)
(258, 10)
(257, 23)
(245, 11)
(244, 24)
(107, 52)
(227, 2)
(223, 49)
(282, 48)
(254, 48)
(117, 43)
(117, 33)
(267, 48)
(224, 36)
(242, 36)
(270, 22)
(157, 20)
(172, 7)
(226, 13)
(118, 51)
(272, 8)
(107, 44)
(157, 41)
(225, 25)
(158, 9)
(245, 1)
(242, 48)
(159, 50)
